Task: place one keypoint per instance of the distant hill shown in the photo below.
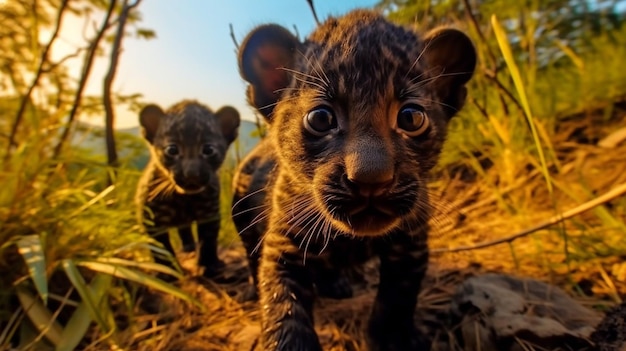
(132, 147)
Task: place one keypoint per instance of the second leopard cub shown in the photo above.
(188, 143)
(357, 117)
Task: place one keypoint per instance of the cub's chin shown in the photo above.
(367, 222)
(189, 190)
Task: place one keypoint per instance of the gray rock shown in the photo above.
(504, 313)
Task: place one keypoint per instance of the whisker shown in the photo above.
(160, 186)
(326, 230)
(414, 83)
(309, 82)
(324, 79)
(438, 103)
(419, 57)
(256, 220)
(298, 211)
(422, 74)
(309, 235)
(321, 218)
(306, 75)
(248, 210)
(429, 80)
(326, 234)
(316, 92)
(277, 102)
(247, 196)
(261, 239)
(303, 219)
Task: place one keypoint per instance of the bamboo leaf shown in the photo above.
(31, 249)
(141, 278)
(41, 318)
(148, 266)
(77, 326)
(83, 290)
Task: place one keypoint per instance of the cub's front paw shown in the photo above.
(400, 343)
(291, 336)
(214, 269)
(249, 293)
(335, 288)
(406, 338)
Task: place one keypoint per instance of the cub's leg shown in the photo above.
(403, 263)
(250, 238)
(207, 257)
(186, 238)
(330, 280)
(286, 296)
(249, 210)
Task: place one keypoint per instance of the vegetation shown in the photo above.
(71, 254)
(549, 88)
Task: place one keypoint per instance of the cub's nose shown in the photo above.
(369, 189)
(369, 175)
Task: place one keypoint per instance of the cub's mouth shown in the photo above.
(372, 220)
(189, 190)
(189, 186)
(361, 216)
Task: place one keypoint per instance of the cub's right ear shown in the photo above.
(229, 122)
(149, 118)
(262, 56)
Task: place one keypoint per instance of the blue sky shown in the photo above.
(193, 55)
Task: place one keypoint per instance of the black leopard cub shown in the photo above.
(357, 117)
(180, 184)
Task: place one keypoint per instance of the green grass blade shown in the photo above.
(95, 199)
(41, 318)
(148, 266)
(83, 290)
(507, 53)
(138, 277)
(31, 249)
(77, 326)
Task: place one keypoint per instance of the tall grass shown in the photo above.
(71, 250)
(506, 133)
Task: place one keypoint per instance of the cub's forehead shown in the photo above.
(189, 122)
(362, 32)
(363, 50)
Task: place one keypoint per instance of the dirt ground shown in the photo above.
(468, 212)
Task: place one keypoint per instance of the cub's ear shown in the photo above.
(149, 118)
(451, 60)
(263, 54)
(229, 122)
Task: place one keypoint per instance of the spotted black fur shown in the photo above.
(357, 117)
(180, 184)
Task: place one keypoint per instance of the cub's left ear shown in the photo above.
(451, 60)
(264, 55)
(229, 122)
(149, 119)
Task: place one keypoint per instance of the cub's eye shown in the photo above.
(412, 120)
(171, 150)
(320, 121)
(208, 150)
